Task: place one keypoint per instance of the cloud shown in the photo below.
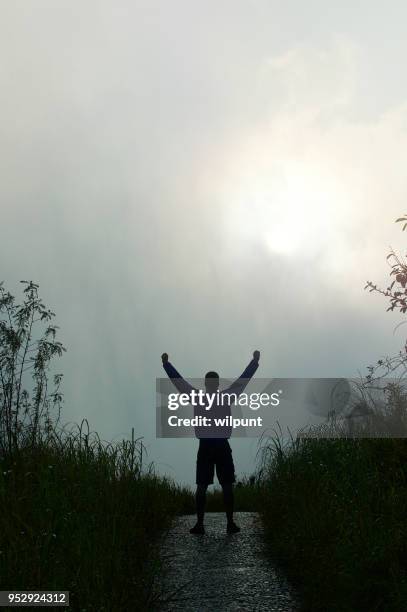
(147, 157)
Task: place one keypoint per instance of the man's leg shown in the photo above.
(204, 477)
(228, 500)
(200, 500)
(225, 470)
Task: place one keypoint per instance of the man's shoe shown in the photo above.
(232, 528)
(198, 529)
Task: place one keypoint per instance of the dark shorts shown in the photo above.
(214, 453)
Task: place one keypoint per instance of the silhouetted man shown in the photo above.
(214, 451)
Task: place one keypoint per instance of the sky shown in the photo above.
(204, 179)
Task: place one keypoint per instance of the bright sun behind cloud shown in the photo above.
(294, 209)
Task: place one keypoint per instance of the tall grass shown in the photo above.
(334, 512)
(76, 513)
(82, 515)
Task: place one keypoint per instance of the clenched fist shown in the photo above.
(256, 355)
(164, 357)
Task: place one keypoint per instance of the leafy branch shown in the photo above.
(25, 346)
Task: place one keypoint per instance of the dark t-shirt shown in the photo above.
(220, 409)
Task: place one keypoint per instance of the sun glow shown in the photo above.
(293, 210)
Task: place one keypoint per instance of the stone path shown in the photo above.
(217, 572)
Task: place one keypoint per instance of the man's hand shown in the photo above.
(256, 355)
(164, 357)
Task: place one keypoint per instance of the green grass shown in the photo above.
(82, 516)
(85, 516)
(335, 515)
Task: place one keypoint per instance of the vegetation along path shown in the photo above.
(220, 572)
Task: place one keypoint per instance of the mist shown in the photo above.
(204, 180)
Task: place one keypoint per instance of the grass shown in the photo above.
(334, 512)
(86, 516)
(81, 515)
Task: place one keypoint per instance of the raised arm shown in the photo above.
(241, 383)
(180, 383)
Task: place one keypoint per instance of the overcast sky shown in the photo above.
(204, 179)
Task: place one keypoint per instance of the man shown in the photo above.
(214, 451)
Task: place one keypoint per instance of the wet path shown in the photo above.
(217, 572)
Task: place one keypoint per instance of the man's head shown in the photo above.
(212, 382)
